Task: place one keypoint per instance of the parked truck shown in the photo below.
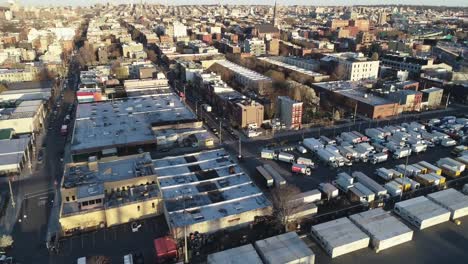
(369, 183)
(268, 154)
(401, 153)
(452, 163)
(302, 169)
(327, 141)
(64, 130)
(378, 157)
(430, 168)
(266, 176)
(384, 174)
(277, 178)
(448, 142)
(462, 159)
(393, 188)
(327, 157)
(286, 157)
(417, 148)
(305, 161)
(312, 144)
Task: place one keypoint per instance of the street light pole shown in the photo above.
(240, 148)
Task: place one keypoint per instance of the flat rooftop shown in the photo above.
(422, 208)
(354, 91)
(285, 248)
(240, 255)
(284, 64)
(115, 199)
(107, 170)
(124, 122)
(247, 73)
(12, 151)
(453, 200)
(379, 224)
(208, 184)
(339, 232)
(26, 109)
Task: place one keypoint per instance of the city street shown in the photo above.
(34, 193)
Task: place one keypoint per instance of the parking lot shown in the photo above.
(325, 173)
(114, 242)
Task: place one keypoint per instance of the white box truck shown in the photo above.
(312, 144)
(286, 157)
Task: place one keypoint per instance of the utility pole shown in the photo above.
(11, 194)
(447, 103)
(406, 165)
(220, 136)
(355, 112)
(185, 237)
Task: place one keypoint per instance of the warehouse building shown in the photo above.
(26, 94)
(351, 95)
(124, 126)
(206, 192)
(107, 192)
(384, 229)
(247, 78)
(15, 154)
(26, 118)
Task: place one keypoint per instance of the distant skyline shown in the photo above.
(462, 3)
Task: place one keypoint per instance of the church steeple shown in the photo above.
(275, 22)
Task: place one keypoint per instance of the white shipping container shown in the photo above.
(287, 248)
(312, 144)
(385, 230)
(422, 212)
(277, 178)
(452, 200)
(339, 237)
(394, 188)
(244, 254)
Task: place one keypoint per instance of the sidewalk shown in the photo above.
(53, 225)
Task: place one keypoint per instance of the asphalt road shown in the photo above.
(29, 231)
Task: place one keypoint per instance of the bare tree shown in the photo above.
(275, 75)
(3, 87)
(6, 241)
(98, 260)
(336, 115)
(339, 73)
(285, 204)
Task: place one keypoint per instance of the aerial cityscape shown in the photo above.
(270, 132)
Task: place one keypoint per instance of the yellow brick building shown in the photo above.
(108, 192)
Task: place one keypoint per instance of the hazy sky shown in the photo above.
(290, 2)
